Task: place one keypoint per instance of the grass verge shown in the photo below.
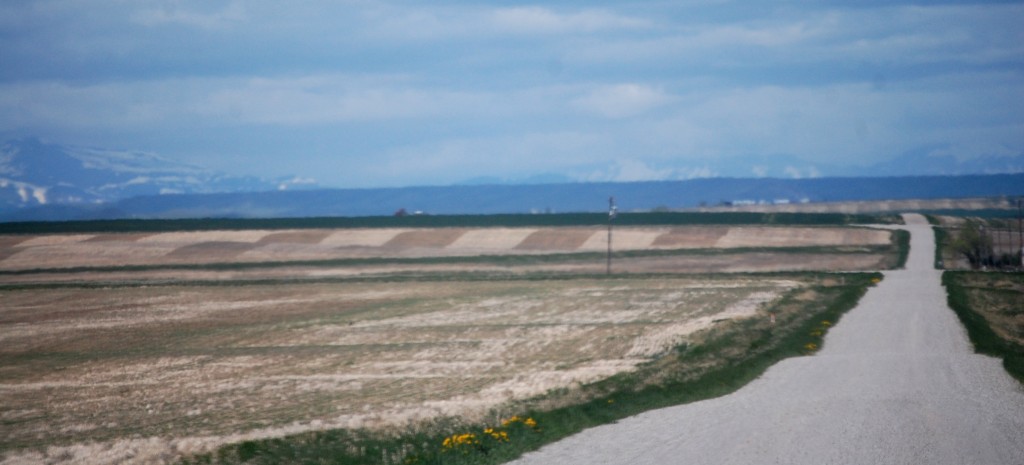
(941, 244)
(394, 277)
(442, 221)
(901, 242)
(990, 306)
(900, 248)
(723, 359)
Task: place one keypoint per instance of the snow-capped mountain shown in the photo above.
(35, 173)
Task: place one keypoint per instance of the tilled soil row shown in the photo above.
(115, 249)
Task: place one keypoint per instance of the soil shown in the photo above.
(183, 368)
(430, 238)
(556, 239)
(76, 251)
(295, 237)
(211, 251)
(145, 365)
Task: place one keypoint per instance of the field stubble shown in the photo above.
(162, 371)
(187, 351)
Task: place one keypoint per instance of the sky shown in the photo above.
(392, 93)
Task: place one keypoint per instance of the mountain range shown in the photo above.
(51, 182)
(35, 173)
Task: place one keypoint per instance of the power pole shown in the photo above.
(1020, 230)
(612, 213)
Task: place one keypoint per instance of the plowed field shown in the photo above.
(100, 363)
(85, 251)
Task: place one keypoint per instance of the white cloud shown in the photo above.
(539, 20)
(759, 35)
(696, 172)
(631, 169)
(622, 100)
(813, 123)
(895, 34)
(525, 131)
(384, 21)
(975, 149)
(322, 99)
(506, 155)
(176, 14)
(314, 99)
(636, 170)
(327, 99)
(56, 104)
(709, 43)
(457, 88)
(797, 173)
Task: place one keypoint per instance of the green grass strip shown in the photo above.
(902, 240)
(500, 260)
(395, 277)
(442, 221)
(985, 340)
(941, 243)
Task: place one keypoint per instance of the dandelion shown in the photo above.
(457, 440)
(611, 401)
(531, 423)
(811, 347)
(497, 435)
(816, 333)
(826, 323)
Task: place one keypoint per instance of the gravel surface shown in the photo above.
(896, 383)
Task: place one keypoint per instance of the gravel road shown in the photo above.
(896, 383)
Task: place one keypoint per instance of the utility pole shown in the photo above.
(1020, 230)
(612, 213)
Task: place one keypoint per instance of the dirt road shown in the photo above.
(896, 383)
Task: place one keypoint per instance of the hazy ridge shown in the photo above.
(546, 198)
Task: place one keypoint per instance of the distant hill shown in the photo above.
(541, 198)
(52, 182)
(34, 173)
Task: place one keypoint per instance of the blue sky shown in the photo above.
(367, 94)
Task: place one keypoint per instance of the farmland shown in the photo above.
(277, 254)
(151, 346)
(991, 307)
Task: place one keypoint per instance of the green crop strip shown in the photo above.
(393, 277)
(443, 221)
(498, 260)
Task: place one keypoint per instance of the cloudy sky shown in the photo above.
(391, 93)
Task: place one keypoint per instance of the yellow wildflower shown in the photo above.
(457, 440)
